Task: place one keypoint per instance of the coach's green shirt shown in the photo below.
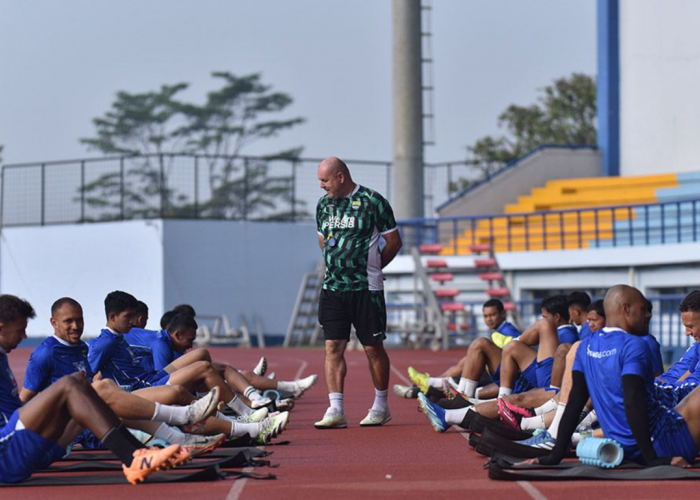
(350, 228)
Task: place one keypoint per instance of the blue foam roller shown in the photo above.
(600, 452)
(272, 394)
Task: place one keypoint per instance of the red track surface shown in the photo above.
(405, 459)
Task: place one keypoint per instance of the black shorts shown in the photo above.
(365, 310)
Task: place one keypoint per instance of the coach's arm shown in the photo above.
(392, 246)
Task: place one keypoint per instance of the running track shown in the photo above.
(405, 459)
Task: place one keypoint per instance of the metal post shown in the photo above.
(82, 191)
(43, 193)
(294, 185)
(162, 186)
(245, 188)
(407, 199)
(2, 197)
(122, 181)
(196, 187)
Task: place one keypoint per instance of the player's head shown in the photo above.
(140, 315)
(334, 176)
(555, 309)
(185, 308)
(67, 320)
(578, 306)
(596, 315)
(120, 308)
(14, 313)
(182, 330)
(626, 308)
(494, 313)
(166, 318)
(690, 314)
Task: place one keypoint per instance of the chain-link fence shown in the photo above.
(189, 187)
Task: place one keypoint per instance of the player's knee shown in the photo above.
(202, 355)
(334, 349)
(479, 344)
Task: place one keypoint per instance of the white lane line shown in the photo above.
(237, 488)
(534, 493)
(401, 376)
(301, 369)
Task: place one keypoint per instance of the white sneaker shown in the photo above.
(256, 416)
(284, 404)
(376, 418)
(332, 420)
(197, 445)
(203, 407)
(259, 403)
(270, 428)
(304, 384)
(281, 420)
(271, 375)
(261, 367)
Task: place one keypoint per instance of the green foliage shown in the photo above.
(159, 125)
(565, 113)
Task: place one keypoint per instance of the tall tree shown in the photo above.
(565, 113)
(162, 125)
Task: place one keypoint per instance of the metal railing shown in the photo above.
(189, 187)
(593, 227)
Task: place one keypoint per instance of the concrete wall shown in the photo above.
(659, 81)
(220, 267)
(535, 170)
(238, 268)
(86, 262)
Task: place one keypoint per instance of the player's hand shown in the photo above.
(531, 461)
(680, 462)
(97, 377)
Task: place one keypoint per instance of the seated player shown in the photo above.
(140, 315)
(615, 369)
(548, 333)
(483, 354)
(34, 435)
(111, 356)
(578, 312)
(174, 342)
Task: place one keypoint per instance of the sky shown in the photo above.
(62, 62)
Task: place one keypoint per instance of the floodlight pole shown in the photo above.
(407, 171)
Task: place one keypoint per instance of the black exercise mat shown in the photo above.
(217, 453)
(232, 461)
(208, 474)
(589, 472)
(474, 439)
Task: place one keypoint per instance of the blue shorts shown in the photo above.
(670, 395)
(671, 437)
(151, 379)
(521, 385)
(530, 374)
(23, 451)
(544, 372)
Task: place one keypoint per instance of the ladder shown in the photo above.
(303, 327)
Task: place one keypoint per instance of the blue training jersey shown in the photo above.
(112, 355)
(657, 362)
(687, 363)
(604, 358)
(508, 329)
(584, 332)
(157, 343)
(53, 359)
(567, 334)
(9, 392)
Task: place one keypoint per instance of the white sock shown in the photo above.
(286, 386)
(550, 405)
(554, 428)
(468, 387)
(504, 391)
(169, 434)
(336, 399)
(435, 382)
(175, 415)
(252, 393)
(455, 417)
(380, 400)
(576, 438)
(532, 423)
(239, 406)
